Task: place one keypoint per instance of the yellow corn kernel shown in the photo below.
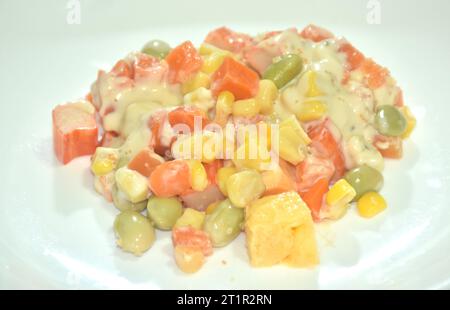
(210, 209)
(410, 121)
(266, 96)
(188, 259)
(104, 160)
(192, 218)
(132, 184)
(198, 177)
(207, 49)
(198, 146)
(311, 110)
(246, 107)
(224, 107)
(292, 140)
(313, 90)
(222, 176)
(244, 187)
(213, 61)
(341, 193)
(199, 80)
(370, 204)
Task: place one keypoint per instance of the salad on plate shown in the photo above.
(264, 135)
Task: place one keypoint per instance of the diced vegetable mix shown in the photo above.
(324, 117)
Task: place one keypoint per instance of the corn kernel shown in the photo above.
(292, 140)
(341, 193)
(410, 121)
(104, 160)
(198, 177)
(224, 107)
(266, 96)
(370, 204)
(246, 107)
(198, 146)
(132, 184)
(313, 90)
(199, 80)
(188, 260)
(311, 110)
(222, 176)
(192, 218)
(213, 61)
(244, 187)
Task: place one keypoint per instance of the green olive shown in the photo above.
(284, 70)
(134, 231)
(224, 224)
(156, 48)
(389, 121)
(364, 179)
(164, 212)
(123, 204)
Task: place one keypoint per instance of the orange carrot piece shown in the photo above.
(145, 162)
(184, 61)
(170, 179)
(187, 116)
(235, 77)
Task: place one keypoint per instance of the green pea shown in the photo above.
(134, 231)
(364, 179)
(284, 70)
(156, 48)
(164, 212)
(389, 121)
(124, 204)
(224, 224)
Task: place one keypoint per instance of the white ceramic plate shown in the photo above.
(56, 232)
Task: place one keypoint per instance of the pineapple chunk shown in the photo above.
(292, 141)
(279, 229)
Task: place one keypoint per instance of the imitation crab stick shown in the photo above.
(316, 34)
(229, 40)
(75, 131)
(313, 197)
(145, 162)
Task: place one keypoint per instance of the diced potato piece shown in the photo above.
(222, 176)
(104, 160)
(279, 229)
(244, 187)
(199, 80)
(132, 184)
(292, 140)
(191, 218)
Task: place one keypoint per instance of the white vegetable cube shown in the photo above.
(132, 184)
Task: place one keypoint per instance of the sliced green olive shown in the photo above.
(156, 48)
(284, 70)
(164, 212)
(389, 121)
(123, 204)
(224, 224)
(364, 179)
(134, 232)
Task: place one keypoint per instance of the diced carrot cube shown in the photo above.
(184, 61)
(145, 162)
(236, 78)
